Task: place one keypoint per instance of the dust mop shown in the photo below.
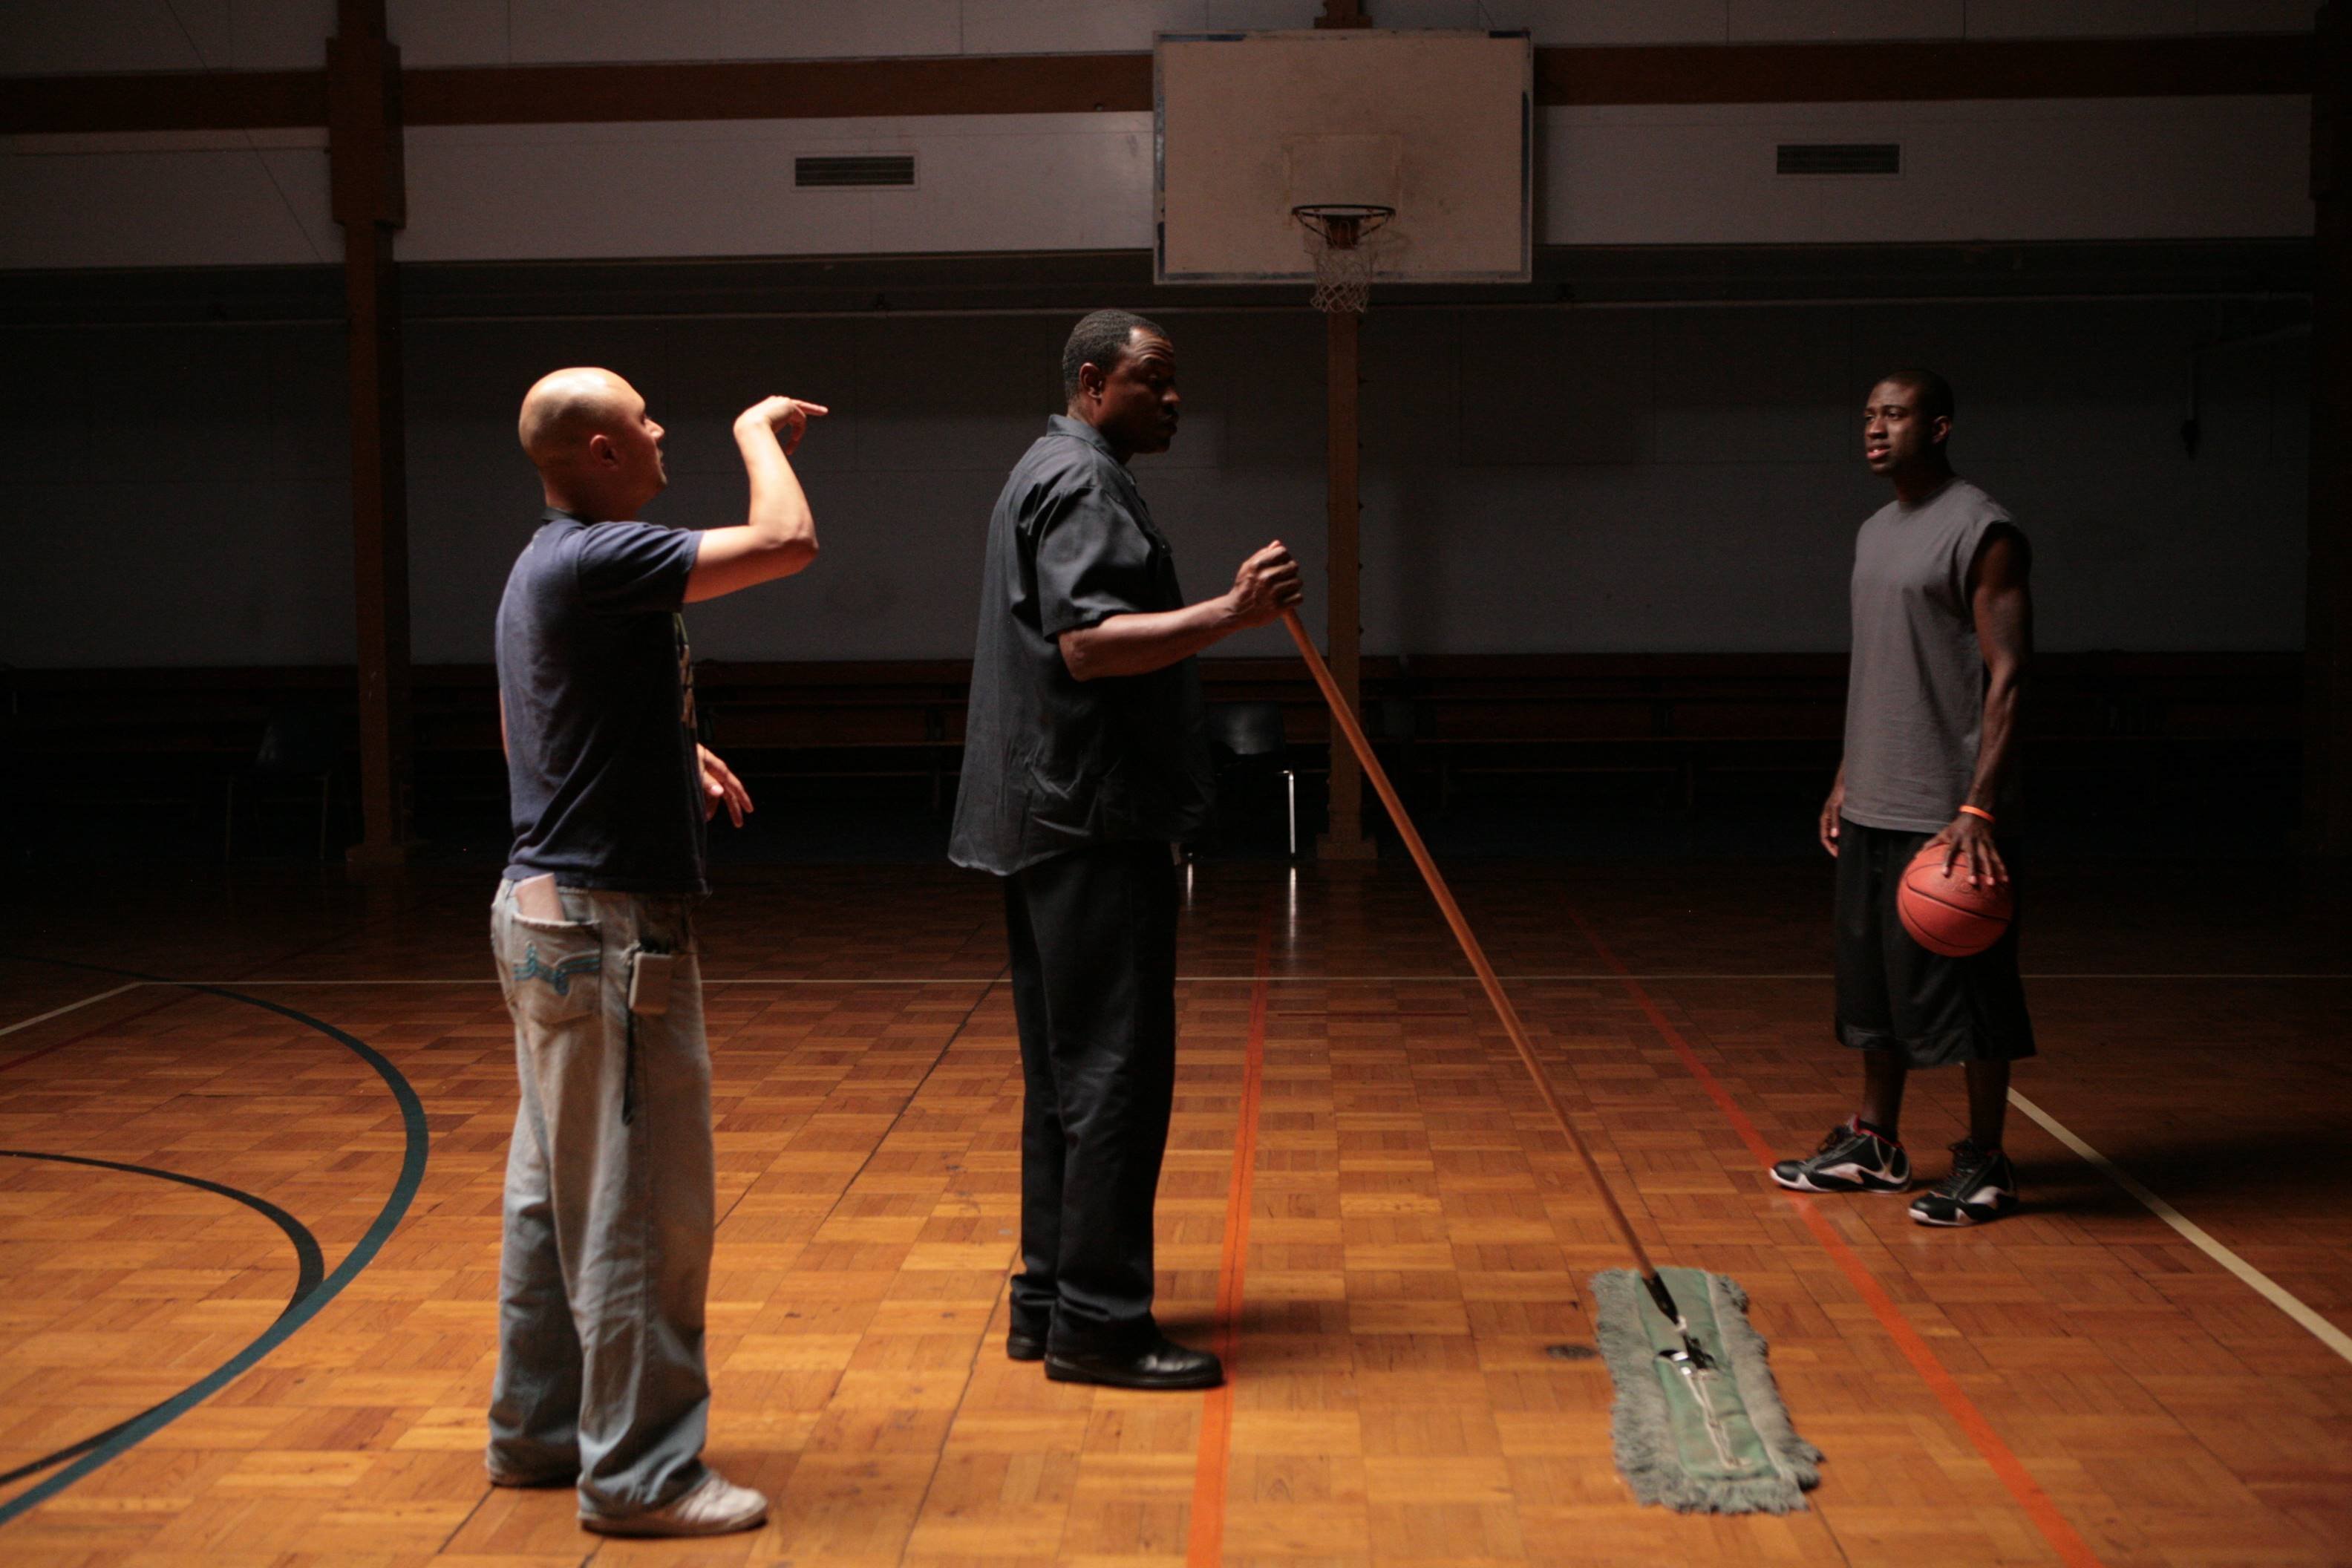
(1699, 1423)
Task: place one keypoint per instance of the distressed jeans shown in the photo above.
(608, 1212)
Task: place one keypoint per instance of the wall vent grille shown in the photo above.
(1840, 158)
(858, 171)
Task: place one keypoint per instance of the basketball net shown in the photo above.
(1343, 266)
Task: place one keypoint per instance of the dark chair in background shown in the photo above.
(299, 745)
(1249, 745)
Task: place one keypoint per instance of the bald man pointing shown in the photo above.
(608, 1211)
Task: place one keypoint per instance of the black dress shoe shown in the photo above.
(1164, 1366)
(1019, 1346)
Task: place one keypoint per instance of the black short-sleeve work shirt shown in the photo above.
(1052, 764)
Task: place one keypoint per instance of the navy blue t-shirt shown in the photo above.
(599, 694)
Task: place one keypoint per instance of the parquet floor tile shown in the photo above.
(1418, 1239)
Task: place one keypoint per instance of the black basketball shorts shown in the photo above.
(1892, 993)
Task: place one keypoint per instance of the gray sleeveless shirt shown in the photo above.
(1915, 696)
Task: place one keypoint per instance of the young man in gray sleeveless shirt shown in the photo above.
(1942, 633)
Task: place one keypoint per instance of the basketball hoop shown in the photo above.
(1343, 267)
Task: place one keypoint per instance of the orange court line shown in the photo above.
(1206, 1546)
(2064, 1539)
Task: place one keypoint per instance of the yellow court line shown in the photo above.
(72, 1007)
(2270, 1289)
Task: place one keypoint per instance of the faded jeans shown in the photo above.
(608, 1212)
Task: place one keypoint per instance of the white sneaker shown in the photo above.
(715, 1507)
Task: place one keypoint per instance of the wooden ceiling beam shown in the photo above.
(1927, 70)
(163, 101)
(2256, 64)
(781, 90)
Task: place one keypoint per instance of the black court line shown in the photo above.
(310, 1269)
(417, 1140)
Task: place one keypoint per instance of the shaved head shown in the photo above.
(586, 432)
(565, 407)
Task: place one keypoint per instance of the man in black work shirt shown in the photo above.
(1084, 763)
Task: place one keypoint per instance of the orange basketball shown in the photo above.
(1946, 915)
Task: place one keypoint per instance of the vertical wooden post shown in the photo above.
(1344, 839)
(2328, 634)
(363, 144)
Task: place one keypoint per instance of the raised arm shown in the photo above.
(1137, 644)
(779, 535)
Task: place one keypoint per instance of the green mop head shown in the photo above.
(1713, 1441)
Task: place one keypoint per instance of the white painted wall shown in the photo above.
(2175, 168)
(2038, 170)
(237, 198)
(47, 36)
(1046, 181)
(1637, 480)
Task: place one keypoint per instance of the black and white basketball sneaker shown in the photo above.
(1852, 1159)
(1982, 1186)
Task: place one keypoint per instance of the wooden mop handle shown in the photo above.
(1462, 933)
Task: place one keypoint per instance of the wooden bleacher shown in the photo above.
(1446, 723)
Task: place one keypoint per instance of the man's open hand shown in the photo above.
(722, 787)
(1266, 584)
(1967, 842)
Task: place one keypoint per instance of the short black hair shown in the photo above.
(1100, 340)
(1932, 392)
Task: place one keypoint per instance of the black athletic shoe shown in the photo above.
(1982, 1186)
(1165, 1365)
(1850, 1160)
(1019, 1346)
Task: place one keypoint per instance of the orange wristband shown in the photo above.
(1977, 811)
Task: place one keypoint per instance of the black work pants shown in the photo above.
(1094, 988)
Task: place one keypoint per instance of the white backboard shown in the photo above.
(1438, 125)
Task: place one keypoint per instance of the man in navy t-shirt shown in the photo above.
(608, 1213)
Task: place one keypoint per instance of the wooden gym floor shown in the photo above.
(1388, 1265)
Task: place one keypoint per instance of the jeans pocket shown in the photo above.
(555, 969)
